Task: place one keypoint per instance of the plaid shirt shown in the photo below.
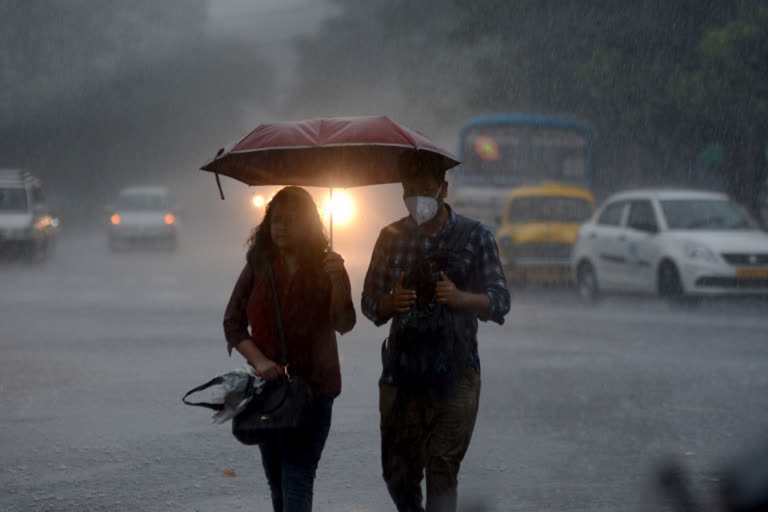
(401, 243)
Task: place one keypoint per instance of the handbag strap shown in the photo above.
(214, 381)
(283, 347)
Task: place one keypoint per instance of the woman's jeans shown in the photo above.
(291, 458)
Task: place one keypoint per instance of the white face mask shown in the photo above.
(422, 208)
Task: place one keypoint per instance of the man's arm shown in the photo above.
(493, 303)
(377, 285)
(493, 279)
(447, 293)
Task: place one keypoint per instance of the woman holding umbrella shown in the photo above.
(315, 302)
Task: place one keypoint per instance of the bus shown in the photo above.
(502, 152)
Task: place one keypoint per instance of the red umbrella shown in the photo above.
(337, 152)
(334, 152)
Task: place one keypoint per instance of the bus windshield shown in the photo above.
(514, 154)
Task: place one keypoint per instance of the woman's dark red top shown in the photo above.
(308, 322)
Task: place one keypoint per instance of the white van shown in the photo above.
(26, 225)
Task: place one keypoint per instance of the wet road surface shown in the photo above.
(578, 405)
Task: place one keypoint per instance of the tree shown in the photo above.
(646, 75)
(728, 89)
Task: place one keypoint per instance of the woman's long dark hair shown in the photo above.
(311, 252)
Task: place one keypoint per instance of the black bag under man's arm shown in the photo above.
(427, 351)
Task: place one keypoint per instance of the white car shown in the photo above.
(142, 216)
(679, 244)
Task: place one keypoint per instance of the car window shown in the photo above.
(611, 214)
(642, 216)
(709, 214)
(137, 202)
(549, 209)
(13, 199)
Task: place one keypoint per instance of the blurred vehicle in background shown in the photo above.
(762, 205)
(27, 227)
(538, 228)
(502, 152)
(679, 244)
(142, 217)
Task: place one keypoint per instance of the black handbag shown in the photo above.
(281, 404)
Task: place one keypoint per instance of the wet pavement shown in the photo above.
(579, 405)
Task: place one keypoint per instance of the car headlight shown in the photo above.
(696, 251)
(42, 223)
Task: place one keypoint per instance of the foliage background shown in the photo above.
(676, 91)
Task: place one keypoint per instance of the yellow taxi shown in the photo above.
(538, 228)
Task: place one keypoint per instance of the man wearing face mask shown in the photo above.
(434, 273)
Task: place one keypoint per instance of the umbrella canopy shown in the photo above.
(335, 152)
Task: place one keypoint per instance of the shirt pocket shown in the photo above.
(457, 265)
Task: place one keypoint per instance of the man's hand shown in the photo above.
(400, 300)
(333, 264)
(447, 293)
(403, 299)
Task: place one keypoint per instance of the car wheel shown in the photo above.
(671, 287)
(586, 283)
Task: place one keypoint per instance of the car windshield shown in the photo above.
(549, 209)
(138, 202)
(13, 200)
(706, 214)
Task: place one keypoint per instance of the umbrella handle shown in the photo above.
(218, 182)
(330, 210)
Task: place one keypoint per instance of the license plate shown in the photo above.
(752, 273)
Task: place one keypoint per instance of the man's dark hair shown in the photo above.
(412, 163)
